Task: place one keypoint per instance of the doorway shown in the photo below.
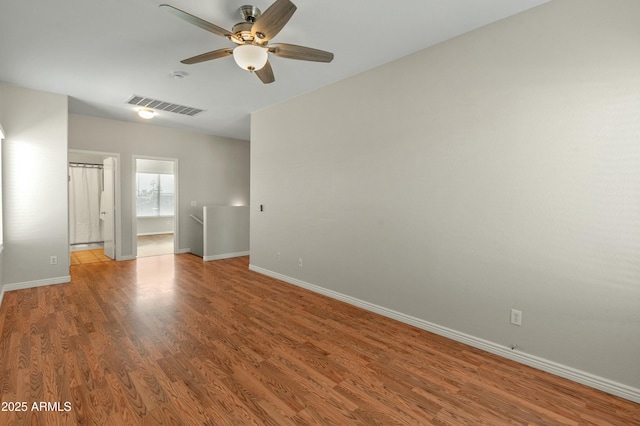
(156, 213)
(93, 206)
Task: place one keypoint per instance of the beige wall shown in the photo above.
(211, 169)
(1, 220)
(34, 187)
(497, 170)
(226, 232)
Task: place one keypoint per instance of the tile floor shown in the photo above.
(88, 256)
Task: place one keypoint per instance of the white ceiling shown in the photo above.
(102, 52)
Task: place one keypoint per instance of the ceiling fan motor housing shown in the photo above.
(250, 13)
(242, 30)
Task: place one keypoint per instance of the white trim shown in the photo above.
(146, 234)
(128, 257)
(183, 251)
(588, 379)
(37, 283)
(225, 256)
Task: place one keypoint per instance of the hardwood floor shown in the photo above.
(174, 340)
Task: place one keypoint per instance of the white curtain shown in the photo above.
(85, 187)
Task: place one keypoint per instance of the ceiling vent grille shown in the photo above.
(159, 105)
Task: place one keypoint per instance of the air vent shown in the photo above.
(159, 105)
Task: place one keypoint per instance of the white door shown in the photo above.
(107, 209)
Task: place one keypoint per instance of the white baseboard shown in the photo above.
(37, 283)
(127, 257)
(184, 250)
(225, 256)
(596, 382)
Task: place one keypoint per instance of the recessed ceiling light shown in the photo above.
(146, 113)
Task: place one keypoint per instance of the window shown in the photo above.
(155, 194)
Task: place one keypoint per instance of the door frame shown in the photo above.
(117, 192)
(109, 182)
(176, 200)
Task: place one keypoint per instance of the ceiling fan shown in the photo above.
(252, 37)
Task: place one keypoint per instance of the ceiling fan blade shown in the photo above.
(216, 54)
(291, 51)
(265, 74)
(205, 25)
(269, 24)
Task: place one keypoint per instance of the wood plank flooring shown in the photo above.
(177, 341)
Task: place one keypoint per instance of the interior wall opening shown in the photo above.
(155, 200)
(92, 206)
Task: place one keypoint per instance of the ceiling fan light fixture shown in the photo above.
(146, 113)
(252, 37)
(250, 57)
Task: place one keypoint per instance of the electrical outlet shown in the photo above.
(53, 260)
(300, 262)
(278, 255)
(516, 317)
